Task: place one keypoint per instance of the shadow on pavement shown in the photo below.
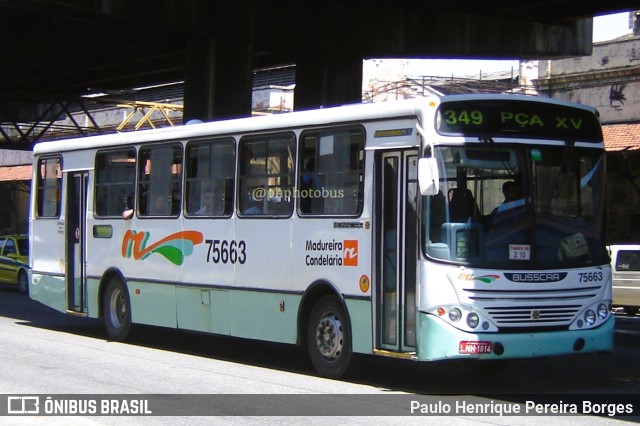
(605, 373)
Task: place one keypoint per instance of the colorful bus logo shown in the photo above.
(173, 247)
(487, 279)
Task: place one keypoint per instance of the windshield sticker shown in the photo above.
(519, 252)
(536, 155)
(173, 247)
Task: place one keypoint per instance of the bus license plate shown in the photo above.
(475, 347)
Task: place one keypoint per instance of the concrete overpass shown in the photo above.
(64, 49)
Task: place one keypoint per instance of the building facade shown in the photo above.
(608, 80)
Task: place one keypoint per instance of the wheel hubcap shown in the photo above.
(118, 309)
(329, 337)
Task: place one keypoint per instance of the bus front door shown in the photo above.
(396, 250)
(75, 232)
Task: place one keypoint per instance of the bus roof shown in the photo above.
(342, 114)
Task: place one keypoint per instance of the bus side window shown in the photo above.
(266, 175)
(330, 177)
(210, 171)
(160, 177)
(49, 180)
(115, 183)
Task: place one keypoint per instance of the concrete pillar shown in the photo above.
(218, 79)
(325, 81)
(199, 80)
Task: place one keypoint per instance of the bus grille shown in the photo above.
(532, 315)
(536, 309)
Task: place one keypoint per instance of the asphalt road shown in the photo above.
(47, 353)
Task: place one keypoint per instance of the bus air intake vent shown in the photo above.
(532, 315)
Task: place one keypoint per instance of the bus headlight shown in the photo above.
(590, 317)
(603, 311)
(455, 315)
(473, 320)
(593, 316)
(465, 318)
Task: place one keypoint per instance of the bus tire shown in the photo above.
(23, 282)
(329, 338)
(117, 310)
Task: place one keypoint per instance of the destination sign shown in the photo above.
(517, 118)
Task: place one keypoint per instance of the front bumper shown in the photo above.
(439, 340)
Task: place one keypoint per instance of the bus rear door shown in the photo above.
(75, 236)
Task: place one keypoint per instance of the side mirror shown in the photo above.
(428, 176)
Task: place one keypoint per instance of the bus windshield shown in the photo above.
(517, 207)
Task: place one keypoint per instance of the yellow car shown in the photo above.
(14, 261)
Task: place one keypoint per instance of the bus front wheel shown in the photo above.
(117, 310)
(329, 338)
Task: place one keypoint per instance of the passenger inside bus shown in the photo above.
(306, 185)
(511, 193)
(510, 208)
(252, 205)
(127, 213)
(462, 206)
(208, 202)
(437, 216)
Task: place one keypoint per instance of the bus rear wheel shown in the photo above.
(116, 310)
(329, 338)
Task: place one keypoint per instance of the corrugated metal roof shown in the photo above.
(618, 137)
(10, 173)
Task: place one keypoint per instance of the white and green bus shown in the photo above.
(372, 229)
